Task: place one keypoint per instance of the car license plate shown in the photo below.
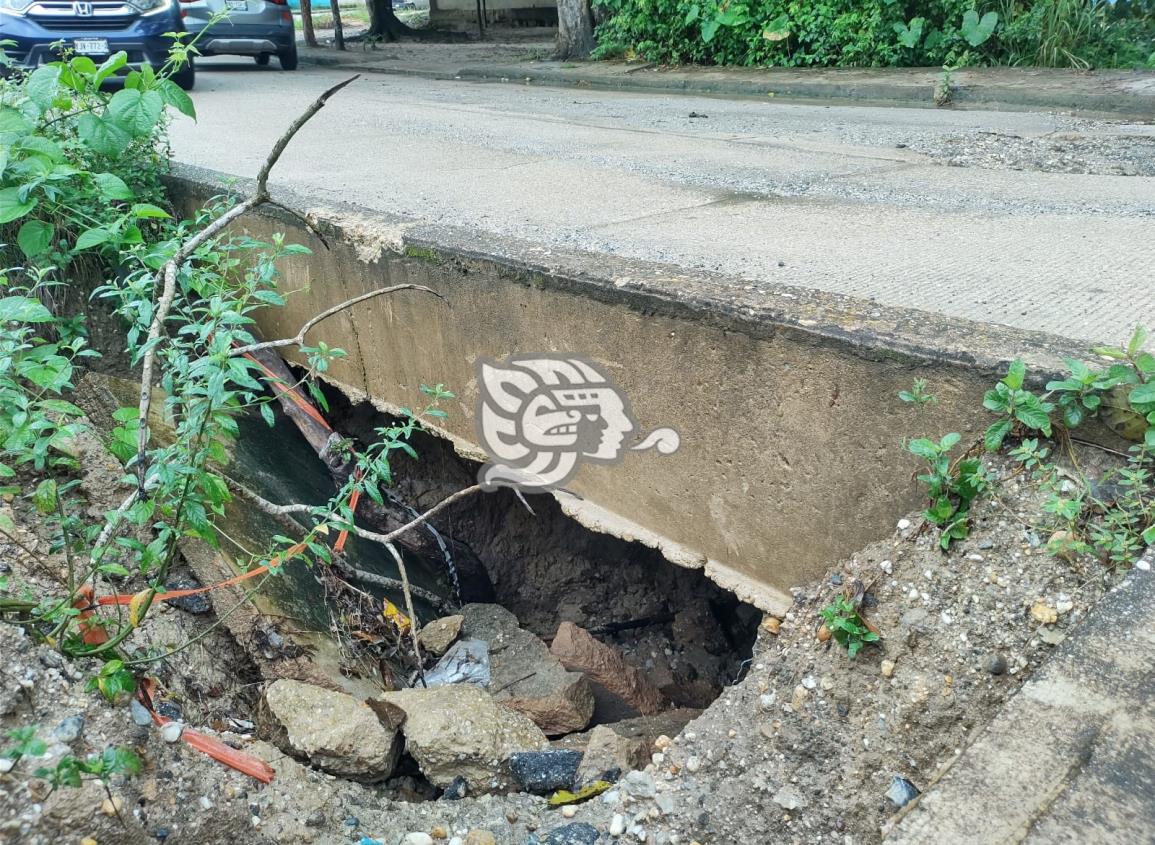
(237, 5)
(91, 47)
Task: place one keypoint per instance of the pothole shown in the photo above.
(571, 629)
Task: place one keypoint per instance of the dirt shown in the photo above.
(803, 748)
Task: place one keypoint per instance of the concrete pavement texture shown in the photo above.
(1126, 94)
(1030, 220)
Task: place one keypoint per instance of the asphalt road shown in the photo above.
(1029, 220)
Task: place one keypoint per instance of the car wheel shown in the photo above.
(288, 58)
(186, 76)
(262, 59)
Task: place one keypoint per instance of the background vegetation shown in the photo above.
(881, 33)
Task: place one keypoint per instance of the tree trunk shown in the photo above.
(384, 23)
(338, 29)
(575, 29)
(307, 23)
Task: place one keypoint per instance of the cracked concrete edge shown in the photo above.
(859, 327)
(966, 94)
(1071, 753)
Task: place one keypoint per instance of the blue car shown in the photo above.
(36, 31)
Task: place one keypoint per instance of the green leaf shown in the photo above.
(949, 441)
(1034, 417)
(1137, 340)
(148, 210)
(44, 496)
(112, 187)
(23, 309)
(1016, 374)
(977, 31)
(176, 97)
(12, 207)
(12, 122)
(136, 112)
(1142, 394)
(923, 448)
(42, 85)
(996, 434)
(267, 413)
(110, 66)
(709, 30)
(35, 237)
(102, 135)
(1149, 535)
(90, 238)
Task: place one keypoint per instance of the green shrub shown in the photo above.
(878, 33)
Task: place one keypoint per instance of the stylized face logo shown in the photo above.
(540, 416)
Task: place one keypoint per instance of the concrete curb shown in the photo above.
(1118, 97)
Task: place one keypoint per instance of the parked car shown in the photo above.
(41, 31)
(257, 28)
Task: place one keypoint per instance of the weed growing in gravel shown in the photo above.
(69, 770)
(1112, 518)
(847, 626)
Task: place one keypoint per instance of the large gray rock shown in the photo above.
(333, 731)
(524, 675)
(459, 730)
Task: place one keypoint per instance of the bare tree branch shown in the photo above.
(418, 520)
(168, 274)
(408, 593)
(299, 338)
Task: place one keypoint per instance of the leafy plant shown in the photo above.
(1016, 406)
(71, 771)
(978, 30)
(847, 626)
(951, 486)
(918, 395)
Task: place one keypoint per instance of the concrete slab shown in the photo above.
(849, 201)
(1072, 757)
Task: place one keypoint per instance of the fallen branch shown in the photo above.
(168, 274)
(407, 591)
(299, 338)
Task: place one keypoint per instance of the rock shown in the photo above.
(1043, 613)
(198, 604)
(69, 730)
(886, 668)
(526, 677)
(579, 650)
(665, 802)
(789, 798)
(417, 838)
(1051, 636)
(315, 819)
(798, 700)
(607, 751)
(480, 837)
(466, 662)
(995, 664)
(823, 633)
(693, 764)
(617, 825)
(436, 637)
(903, 524)
(569, 811)
(901, 792)
(544, 771)
(456, 790)
(171, 731)
(639, 785)
(459, 731)
(578, 833)
(332, 730)
(140, 714)
(439, 832)
(772, 625)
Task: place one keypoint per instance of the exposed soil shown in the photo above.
(803, 749)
